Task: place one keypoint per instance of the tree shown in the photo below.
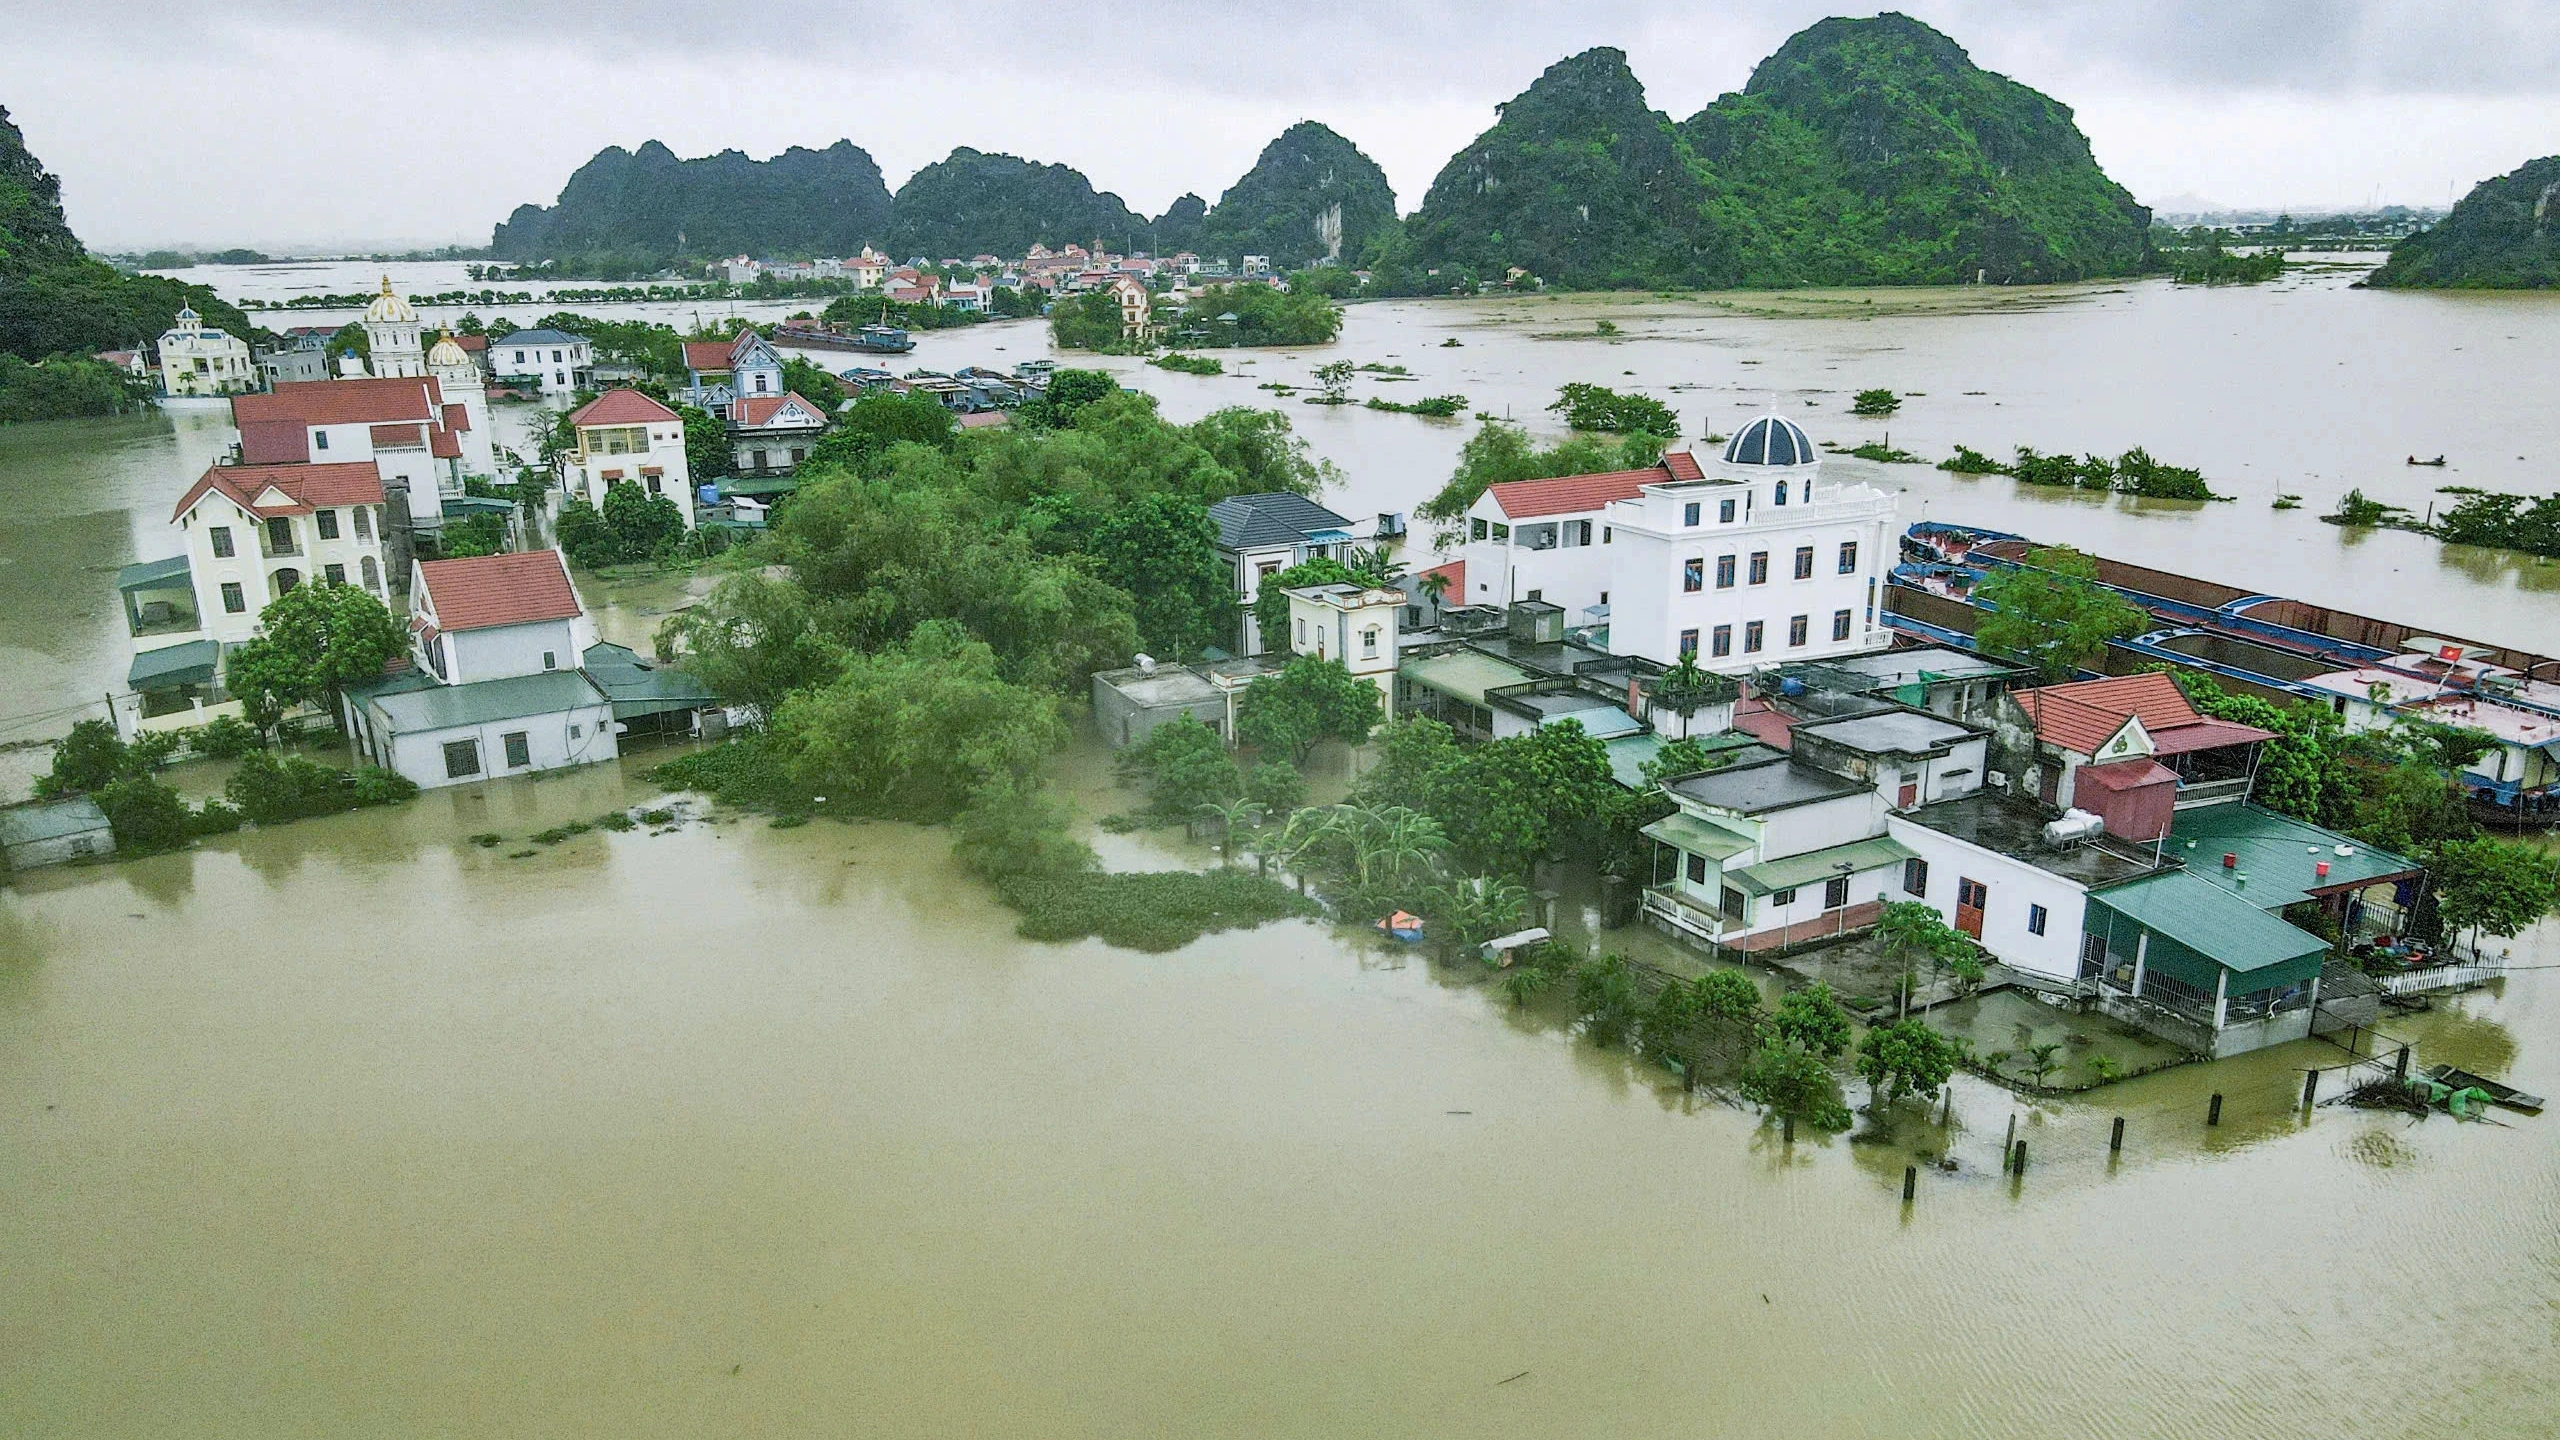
(1011, 827)
(2494, 887)
(1276, 786)
(1905, 1058)
(1684, 690)
(1472, 910)
(2301, 772)
(1873, 403)
(312, 642)
(1414, 755)
(1334, 378)
(1811, 1020)
(145, 814)
(1598, 408)
(706, 443)
(1308, 701)
(473, 535)
(881, 419)
(85, 761)
(916, 730)
(1911, 934)
(643, 526)
(811, 383)
(1604, 993)
(1258, 448)
(2051, 613)
(1186, 766)
(1236, 817)
(1163, 550)
(753, 640)
(1512, 802)
(1795, 1085)
(1271, 597)
(1091, 321)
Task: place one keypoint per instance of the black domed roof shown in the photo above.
(1770, 440)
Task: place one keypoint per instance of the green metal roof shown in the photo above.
(761, 487)
(2279, 855)
(1697, 837)
(155, 574)
(517, 697)
(190, 663)
(1463, 674)
(2210, 920)
(50, 820)
(638, 687)
(1627, 754)
(458, 506)
(1788, 872)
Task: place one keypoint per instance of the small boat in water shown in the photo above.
(2506, 1095)
(1403, 926)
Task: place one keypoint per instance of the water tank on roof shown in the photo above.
(2075, 827)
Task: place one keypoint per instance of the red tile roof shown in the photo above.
(469, 343)
(2119, 776)
(2083, 717)
(488, 590)
(1456, 571)
(759, 409)
(342, 402)
(312, 487)
(1572, 494)
(1682, 465)
(398, 436)
(621, 407)
(706, 354)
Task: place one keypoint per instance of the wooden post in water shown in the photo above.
(2400, 1065)
(2213, 1112)
(1910, 1182)
(2018, 1160)
(2310, 1087)
(1788, 1128)
(1947, 1111)
(2115, 1142)
(2009, 1140)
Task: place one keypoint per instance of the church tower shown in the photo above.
(458, 381)
(391, 332)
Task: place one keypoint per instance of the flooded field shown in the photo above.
(353, 1127)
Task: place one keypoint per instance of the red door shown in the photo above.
(1910, 795)
(1971, 896)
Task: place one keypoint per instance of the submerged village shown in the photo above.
(1938, 780)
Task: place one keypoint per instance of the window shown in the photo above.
(1537, 594)
(1475, 528)
(577, 730)
(519, 357)
(1751, 637)
(1759, 567)
(519, 749)
(233, 602)
(1369, 643)
(1797, 627)
(1689, 643)
(555, 357)
(280, 535)
(1501, 531)
(1848, 557)
(2035, 919)
(1724, 572)
(1839, 624)
(1693, 574)
(372, 572)
(1972, 894)
(334, 574)
(1689, 513)
(1302, 632)
(1697, 869)
(1604, 597)
(461, 758)
(760, 382)
(799, 453)
(221, 542)
(1804, 562)
(1915, 876)
(1835, 892)
(327, 520)
(1735, 906)
(364, 522)
(1604, 534)
(1724, 513)
(319, 439)
(1783, 898)
(1723, 641)
(550, 660)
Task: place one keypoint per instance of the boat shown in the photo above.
(869, 340)
(1403, 926)
(2506, 1095)
(2437, 463)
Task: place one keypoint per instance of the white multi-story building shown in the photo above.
(394, 340)
(1354, 624)
(556, 362)
(1550, 539)
(406, 427)
(457, 378)
(1759, 561)
(626, 438)
(253, 532)
(197, 359)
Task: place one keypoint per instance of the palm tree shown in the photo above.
(1378, 567)
(1234, 818)
(1684, 689)
(1436, 584)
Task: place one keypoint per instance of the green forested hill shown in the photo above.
(1311, 195)
(1862, 152)
(1181, 225)
(54, 298)
(972, 202)
(634, 211)
(2505, 235)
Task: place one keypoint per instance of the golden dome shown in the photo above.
(389, 309)
(448, 356)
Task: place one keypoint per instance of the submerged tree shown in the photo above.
(2052, 613)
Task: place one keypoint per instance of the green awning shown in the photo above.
(167, 668)
(170, 574)
(2210, 920)
(1688, 833)
(1789, 872)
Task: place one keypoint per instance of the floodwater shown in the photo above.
(353, 1127)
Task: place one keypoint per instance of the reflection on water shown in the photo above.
(361, 1128)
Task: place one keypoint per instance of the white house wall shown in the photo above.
(504, 650)
(548, 741)
(2011, 886)
(1821, 825)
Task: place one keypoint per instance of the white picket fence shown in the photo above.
(2442, 977)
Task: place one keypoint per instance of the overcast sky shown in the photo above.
(301, 123)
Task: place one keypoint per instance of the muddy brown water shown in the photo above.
(353, 1127)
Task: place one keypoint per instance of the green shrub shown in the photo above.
(213, 818)
(226, 737)
(146, 815)
(1013, 829)
(1875, 402)
(1156, 911)
(658, 817)
(617, 820)
(488, 839)
(271, 788)
(374, 785)
(749, 772)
